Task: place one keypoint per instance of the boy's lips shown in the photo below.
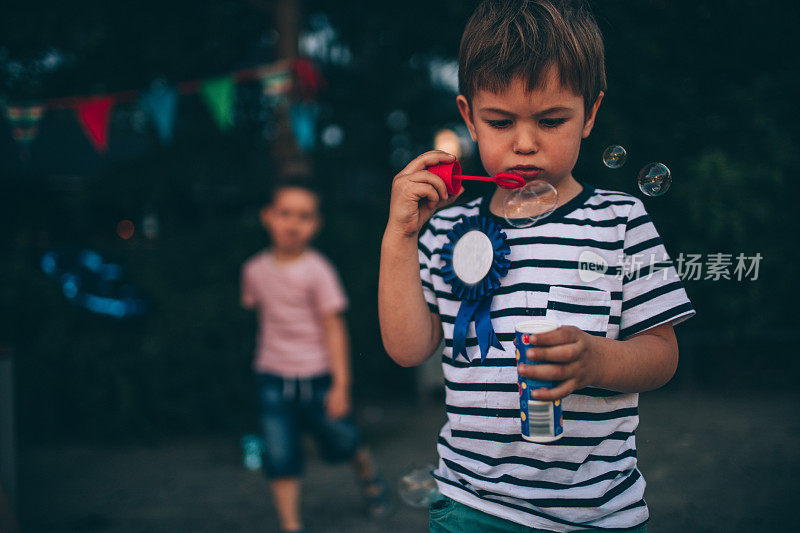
(526, 172)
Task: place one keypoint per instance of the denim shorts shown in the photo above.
(292, 407)
(449, 516)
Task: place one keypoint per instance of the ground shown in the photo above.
(713, 462)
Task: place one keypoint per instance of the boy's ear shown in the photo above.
(588, 124)
(466, 114)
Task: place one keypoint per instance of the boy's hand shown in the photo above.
(571, 352)
(417, 193)
(337, 402)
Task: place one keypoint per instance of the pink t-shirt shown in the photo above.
(291, 300)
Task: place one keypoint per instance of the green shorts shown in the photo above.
(449, 516)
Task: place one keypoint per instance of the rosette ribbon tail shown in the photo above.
(483, 327)
(463, 318)
(479, 309)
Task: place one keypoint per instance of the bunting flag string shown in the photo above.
(186, 87)
(282, 82)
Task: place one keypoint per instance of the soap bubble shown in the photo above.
(615, 156)
(417, 487)
(524, 206)
(654, 179)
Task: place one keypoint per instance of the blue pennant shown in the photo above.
(476, 298)
(160, 102)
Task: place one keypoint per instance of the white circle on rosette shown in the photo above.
(473, 255)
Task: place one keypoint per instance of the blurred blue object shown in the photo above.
(49, 263)
(88, 281)
(303, 119)
(90, 260)
(70, 285)
(105, 306)
(110, 271)
(252, 447)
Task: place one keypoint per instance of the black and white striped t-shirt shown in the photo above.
(589, 477)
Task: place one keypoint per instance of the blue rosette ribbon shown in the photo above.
(476, 298)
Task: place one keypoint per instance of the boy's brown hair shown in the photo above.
(290, 182)
(508, 38)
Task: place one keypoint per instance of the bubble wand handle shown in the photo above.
(452, 177)
(475, 178)
(503, 179)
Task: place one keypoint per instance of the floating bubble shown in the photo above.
(615, 156)
(417, 487)
(524, 206)
(654, 179)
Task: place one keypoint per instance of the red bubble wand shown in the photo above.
(452, 177)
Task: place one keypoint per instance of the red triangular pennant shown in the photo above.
(94, 116)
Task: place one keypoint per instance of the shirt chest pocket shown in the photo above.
(586, 309)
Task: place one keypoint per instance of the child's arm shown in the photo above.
(337, 402)
(410, 331)
(247, 296)
(643, 362)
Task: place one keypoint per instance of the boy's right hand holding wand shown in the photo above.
(410, 331)
(417, 194)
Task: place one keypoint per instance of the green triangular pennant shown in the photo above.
(219, 94)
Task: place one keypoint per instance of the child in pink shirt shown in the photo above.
(302, 361)
(293, 299)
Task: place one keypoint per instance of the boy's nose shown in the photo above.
(525, 142)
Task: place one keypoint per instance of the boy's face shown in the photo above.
(535, 134)
(292, 219)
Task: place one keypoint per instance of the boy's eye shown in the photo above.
(552, 122)
(499, 124)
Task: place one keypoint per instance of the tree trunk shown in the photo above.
(289, 160)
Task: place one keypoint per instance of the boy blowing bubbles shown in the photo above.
(531, 77)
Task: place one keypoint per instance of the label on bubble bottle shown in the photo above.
(540, 421)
